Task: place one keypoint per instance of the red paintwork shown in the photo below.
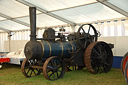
(4, 60)
(127, 72)
(124, 63)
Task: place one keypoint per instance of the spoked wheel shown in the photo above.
(53, 68)
(98, 57)
(27, 69)
(123, 62)
(86, 34)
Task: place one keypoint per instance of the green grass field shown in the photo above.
(12, 75)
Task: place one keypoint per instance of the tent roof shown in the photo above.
(14, 14)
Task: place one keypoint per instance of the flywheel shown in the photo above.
(98, 57)
(86, 34)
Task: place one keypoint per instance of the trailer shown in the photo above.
(3, 59)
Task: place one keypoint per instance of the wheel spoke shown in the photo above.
(34, 72)
(102, 69)
(96, 68)
(49, 70)
(31, 73)
(57, 74)
(50, 67)
(50, 74)
(96, 59)
(54, 76)
(76, 67)
(94, 62)
(83, 30)
(89, 30)
(85, 44)
(28, 71)
(105, 63)
(95, 51)
(59, 66)
(59, 70)
(55, 62)
(100, 48)
(52, 63)
(36, 69)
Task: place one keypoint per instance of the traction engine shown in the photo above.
(54, 54)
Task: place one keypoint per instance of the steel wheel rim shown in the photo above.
(96, 63)
(53, 68)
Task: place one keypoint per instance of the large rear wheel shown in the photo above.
(98, 57)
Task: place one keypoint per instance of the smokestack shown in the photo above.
(32, 13)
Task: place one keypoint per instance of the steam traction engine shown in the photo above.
(53, 55)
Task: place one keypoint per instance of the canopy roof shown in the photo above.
(14, 14)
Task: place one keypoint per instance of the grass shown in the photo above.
(12, 75)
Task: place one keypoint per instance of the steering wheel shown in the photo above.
(86, 36)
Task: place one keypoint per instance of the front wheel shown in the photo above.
(53, 68)
(27, 69)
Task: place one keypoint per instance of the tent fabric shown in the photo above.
(51, 5)
(76, 11)
(3, 37)
(107, 29)
(123, 4)
(43, 20)
(13, 8)
(1, 18)
(10, 25)
(89, 13)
